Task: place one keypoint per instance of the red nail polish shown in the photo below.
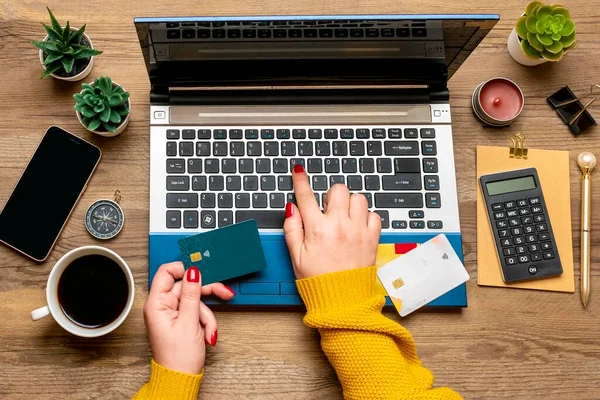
(213, 338)
(193, 275)
(298, 169)
(289, 210)
(230, 289)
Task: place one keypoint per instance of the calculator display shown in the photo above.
(510, 185)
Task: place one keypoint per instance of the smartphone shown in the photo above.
(47, 192)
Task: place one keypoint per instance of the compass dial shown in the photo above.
(104, 219)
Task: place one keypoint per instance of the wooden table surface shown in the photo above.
(507, 344)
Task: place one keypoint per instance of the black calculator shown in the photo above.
(519, 219)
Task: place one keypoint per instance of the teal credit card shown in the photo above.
(224, 253)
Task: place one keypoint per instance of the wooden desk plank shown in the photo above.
(507, 344)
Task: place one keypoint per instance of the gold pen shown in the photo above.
(587, 162)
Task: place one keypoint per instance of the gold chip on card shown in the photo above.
(398, 283)
(195, 257)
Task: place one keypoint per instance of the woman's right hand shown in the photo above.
(344, 236)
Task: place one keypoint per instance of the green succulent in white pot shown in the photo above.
(103, 107)
(543, 33)
(66, 53)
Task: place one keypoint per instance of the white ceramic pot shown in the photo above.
(514, 49)
(80, 75)
(121, 126)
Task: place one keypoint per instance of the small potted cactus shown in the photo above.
(66, 53)
(543, 33)
(103, 107)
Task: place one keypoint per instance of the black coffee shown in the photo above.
(93, 291)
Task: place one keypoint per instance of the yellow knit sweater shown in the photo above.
(373, 356)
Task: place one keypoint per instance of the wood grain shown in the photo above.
(508, 344)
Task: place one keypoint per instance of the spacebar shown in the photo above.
(264, 219)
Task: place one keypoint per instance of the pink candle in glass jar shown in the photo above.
(498, 101)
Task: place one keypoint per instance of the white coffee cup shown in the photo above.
(53, 306)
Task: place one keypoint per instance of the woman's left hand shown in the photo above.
(178, 322)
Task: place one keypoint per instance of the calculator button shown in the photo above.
(508, 251)
(541, 227)
(517, 231)
(497, 207)
(536, 209)
(521, 249)
(511, 260)
(514, 222)
(524, 211)
(503, 233)
(534, 200)
(526, 220)
(522, 202)
(499, 215)
(506, 242)
(546, 245)
(531, 238)
(510, 204)
(536, 257)
(532, 269)
(539, 218)
(512, 213)
(528, 229)
(501, 224)
(534, 247)
(548, 255)
(523, 259)
(519, 240)
(544, 236)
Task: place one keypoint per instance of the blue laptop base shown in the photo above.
(275, 285)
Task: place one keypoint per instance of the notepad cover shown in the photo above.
(553, 170)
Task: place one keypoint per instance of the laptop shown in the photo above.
(237, 102)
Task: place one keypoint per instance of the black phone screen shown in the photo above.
(47, 192)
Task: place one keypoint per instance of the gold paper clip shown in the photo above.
(518, 150)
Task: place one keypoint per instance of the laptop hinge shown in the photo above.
(159, 94)
(439, 93)
(301, 96)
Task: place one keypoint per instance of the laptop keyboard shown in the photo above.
(281, 30)
(217, 177)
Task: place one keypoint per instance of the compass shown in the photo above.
(104, 219)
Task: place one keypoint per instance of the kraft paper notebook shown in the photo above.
(553, 171)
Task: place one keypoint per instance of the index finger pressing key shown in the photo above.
(305, 198)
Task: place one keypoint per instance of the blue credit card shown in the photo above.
(224, 253)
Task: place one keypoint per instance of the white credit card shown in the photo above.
(422, 275)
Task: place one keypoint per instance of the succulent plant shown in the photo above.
(546, 31)
(102, 104)
(63, 47)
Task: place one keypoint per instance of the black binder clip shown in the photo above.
(570, 109)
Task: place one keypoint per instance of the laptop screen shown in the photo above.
(308, 50)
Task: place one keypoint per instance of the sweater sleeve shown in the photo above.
(373, 356)
(165, 384)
